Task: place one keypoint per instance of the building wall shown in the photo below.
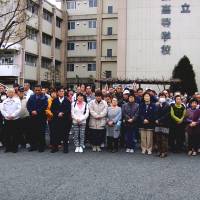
(143, 38)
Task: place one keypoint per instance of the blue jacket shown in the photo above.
(149, 113)
(37, 103)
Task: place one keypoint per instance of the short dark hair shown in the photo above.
(98, 93)
(59, 88)
(139, 89)
(193, 100)
(162, 94)
(36, 86)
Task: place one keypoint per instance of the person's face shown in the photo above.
(78, 90)
(88, 90)
(108, 99)
(38, 90)
(53, 95)
(111, 90)
(147, 98)
(98, 98)
(10, 94)
(26, 86)
(21, 94)
(1, 89)
(178, 100)
(82, 88)
(194, 104)
(43, 90)
(114, 102)
(131, 99)
(198, 97)
(140, 93)
(166, 93)
(61, 93)
(16, 89)
(119, 89)
(125, 96)
(80, 98)
(104, 92)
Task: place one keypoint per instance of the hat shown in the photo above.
(126, 92)
(21, 89)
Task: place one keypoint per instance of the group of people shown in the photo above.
(113, 118)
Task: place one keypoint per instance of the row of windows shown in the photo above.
(71, 5)
(91, 46)
(90, 67)
(72, 24)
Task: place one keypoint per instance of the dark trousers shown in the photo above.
(130, 134)
(24, 130)
(112, 143)
(162, 142)
(122, 135)
(37, 132)
(1, 131)
(177, 137)
(11, 135)
(97, 136)
(193, 138)
(60, 132)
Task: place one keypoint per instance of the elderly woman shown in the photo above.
(113, 125)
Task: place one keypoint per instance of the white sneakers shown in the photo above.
(79, 150)
(130, 151)
(148, 152)
(96, 148)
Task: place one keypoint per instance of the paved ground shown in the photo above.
(98, 176)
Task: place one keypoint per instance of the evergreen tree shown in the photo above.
(185, 73)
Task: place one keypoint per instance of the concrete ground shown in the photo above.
(98, 176)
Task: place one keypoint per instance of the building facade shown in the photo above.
(40, 58)
(155, 35)
(91, 40)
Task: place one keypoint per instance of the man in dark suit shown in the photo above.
(61, 109)
(36, 105)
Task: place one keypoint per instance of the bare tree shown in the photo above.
(13, 17)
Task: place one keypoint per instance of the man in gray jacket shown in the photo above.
(98, 112)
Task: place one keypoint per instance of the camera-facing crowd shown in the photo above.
(111, 119)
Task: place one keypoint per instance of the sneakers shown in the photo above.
(143, 151)
(98, 149)
(80, 150)
(190, 153)
(94, 148)
(131, 151)
(127, 150)
(77, 150)
(1, 145)
(149, 152)
(194, 153)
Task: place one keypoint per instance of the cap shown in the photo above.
(21, 89)
(126, 92)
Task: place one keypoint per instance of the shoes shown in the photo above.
(94, 148)
(32, 149)
(163, 155)
(131, 151)
(80, 150)
(54, 150)
(98, 149)
(190, 153)
(143, 151)
(149, 152)
(77, 150)
(127, 150)
(194, 153)
(1, 145)
(40, 150)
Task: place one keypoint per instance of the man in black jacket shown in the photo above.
(36, 105)
(61, 109)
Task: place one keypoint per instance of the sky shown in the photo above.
(55, 3)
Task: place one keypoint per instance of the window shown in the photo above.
(31, 33)
(47, 15)
(70, 67)
(92, 23)
(7, 58)
(71, 5)
(32, 7)
(30, 60)
(109, 31)
(110, 9)
(108, 74)
(91, 45)
(109, 52)
(58, 22)
(92, 67)
(92, 3)
(46, 63)
(70, 46)
(46, 39)
(58, 43)
(71, 25)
